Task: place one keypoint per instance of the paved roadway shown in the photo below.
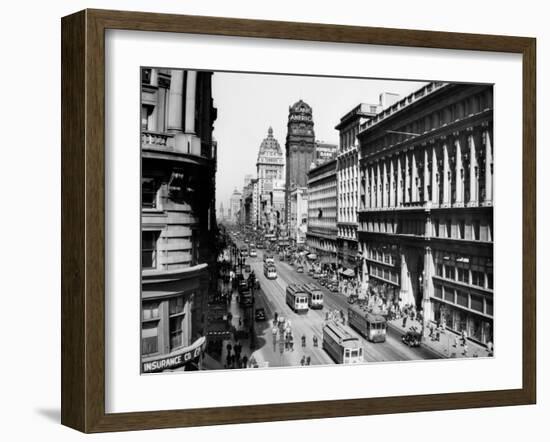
(272, 298)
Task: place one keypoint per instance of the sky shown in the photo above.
(248, 104)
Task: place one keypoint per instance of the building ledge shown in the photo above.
(152, 276)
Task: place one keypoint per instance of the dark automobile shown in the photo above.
(259, 315)
(412, 338)
(334, 288)
(352, 299)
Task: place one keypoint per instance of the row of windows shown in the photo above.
(432, 121)
(468, 276)
(380, 187)
(458, 228)
(348, 232)
(399, 226)
(387, 255)
(150, 252)
(384, 273)
(470, 229)
(150, 326)
(465, 299)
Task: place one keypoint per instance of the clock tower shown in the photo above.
(300, 149)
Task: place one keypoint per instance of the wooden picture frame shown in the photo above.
(83, 220)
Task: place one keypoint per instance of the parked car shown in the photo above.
(259, 315)
(412, 338)
(300, 269)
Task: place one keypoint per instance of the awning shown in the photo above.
(348, 272)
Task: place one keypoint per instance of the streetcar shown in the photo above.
(342, 344)
(270, 272)
(296, 298)
(314, 295)
(268, 259)
(371, 326)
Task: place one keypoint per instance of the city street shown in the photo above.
(270, 352)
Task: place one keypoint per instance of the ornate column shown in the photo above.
(428, 286)
(488, 169)
(459, 175)
(473, 172)
(414, 177)
(392, 184)
(405, 292)
(378, 185)
(435, 187)
(190, 92)
(426, 176)
(372, 188)
(385, 190)
(175, 102)
(365, 187)
(446, 175)
(399, 190)
(407, 196)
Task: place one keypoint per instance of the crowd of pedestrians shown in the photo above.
(236, 358)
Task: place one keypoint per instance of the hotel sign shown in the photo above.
(176, 359)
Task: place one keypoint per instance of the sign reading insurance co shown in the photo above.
(176, 359)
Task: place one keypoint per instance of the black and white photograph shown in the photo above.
(302, 220)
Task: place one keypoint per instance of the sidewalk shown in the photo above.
(447, 346)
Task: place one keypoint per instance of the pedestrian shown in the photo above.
(490, 348)
(315, 340)
(405, 321)
(303, 341)
(308, 360)
(237, 350)
(228, 347)
(303, 361)
(245, 361)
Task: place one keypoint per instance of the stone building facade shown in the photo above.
(348, 182)
(322, 211)
(298, 215)
(250, 203)
(178, 231)
(234, 206)
(300, 149)
(426, 198)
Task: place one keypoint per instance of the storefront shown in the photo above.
(388, 291)
(478, 327)
(172, 312)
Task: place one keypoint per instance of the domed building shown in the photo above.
(269, 167)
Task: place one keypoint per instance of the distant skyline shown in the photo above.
(248, 104)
